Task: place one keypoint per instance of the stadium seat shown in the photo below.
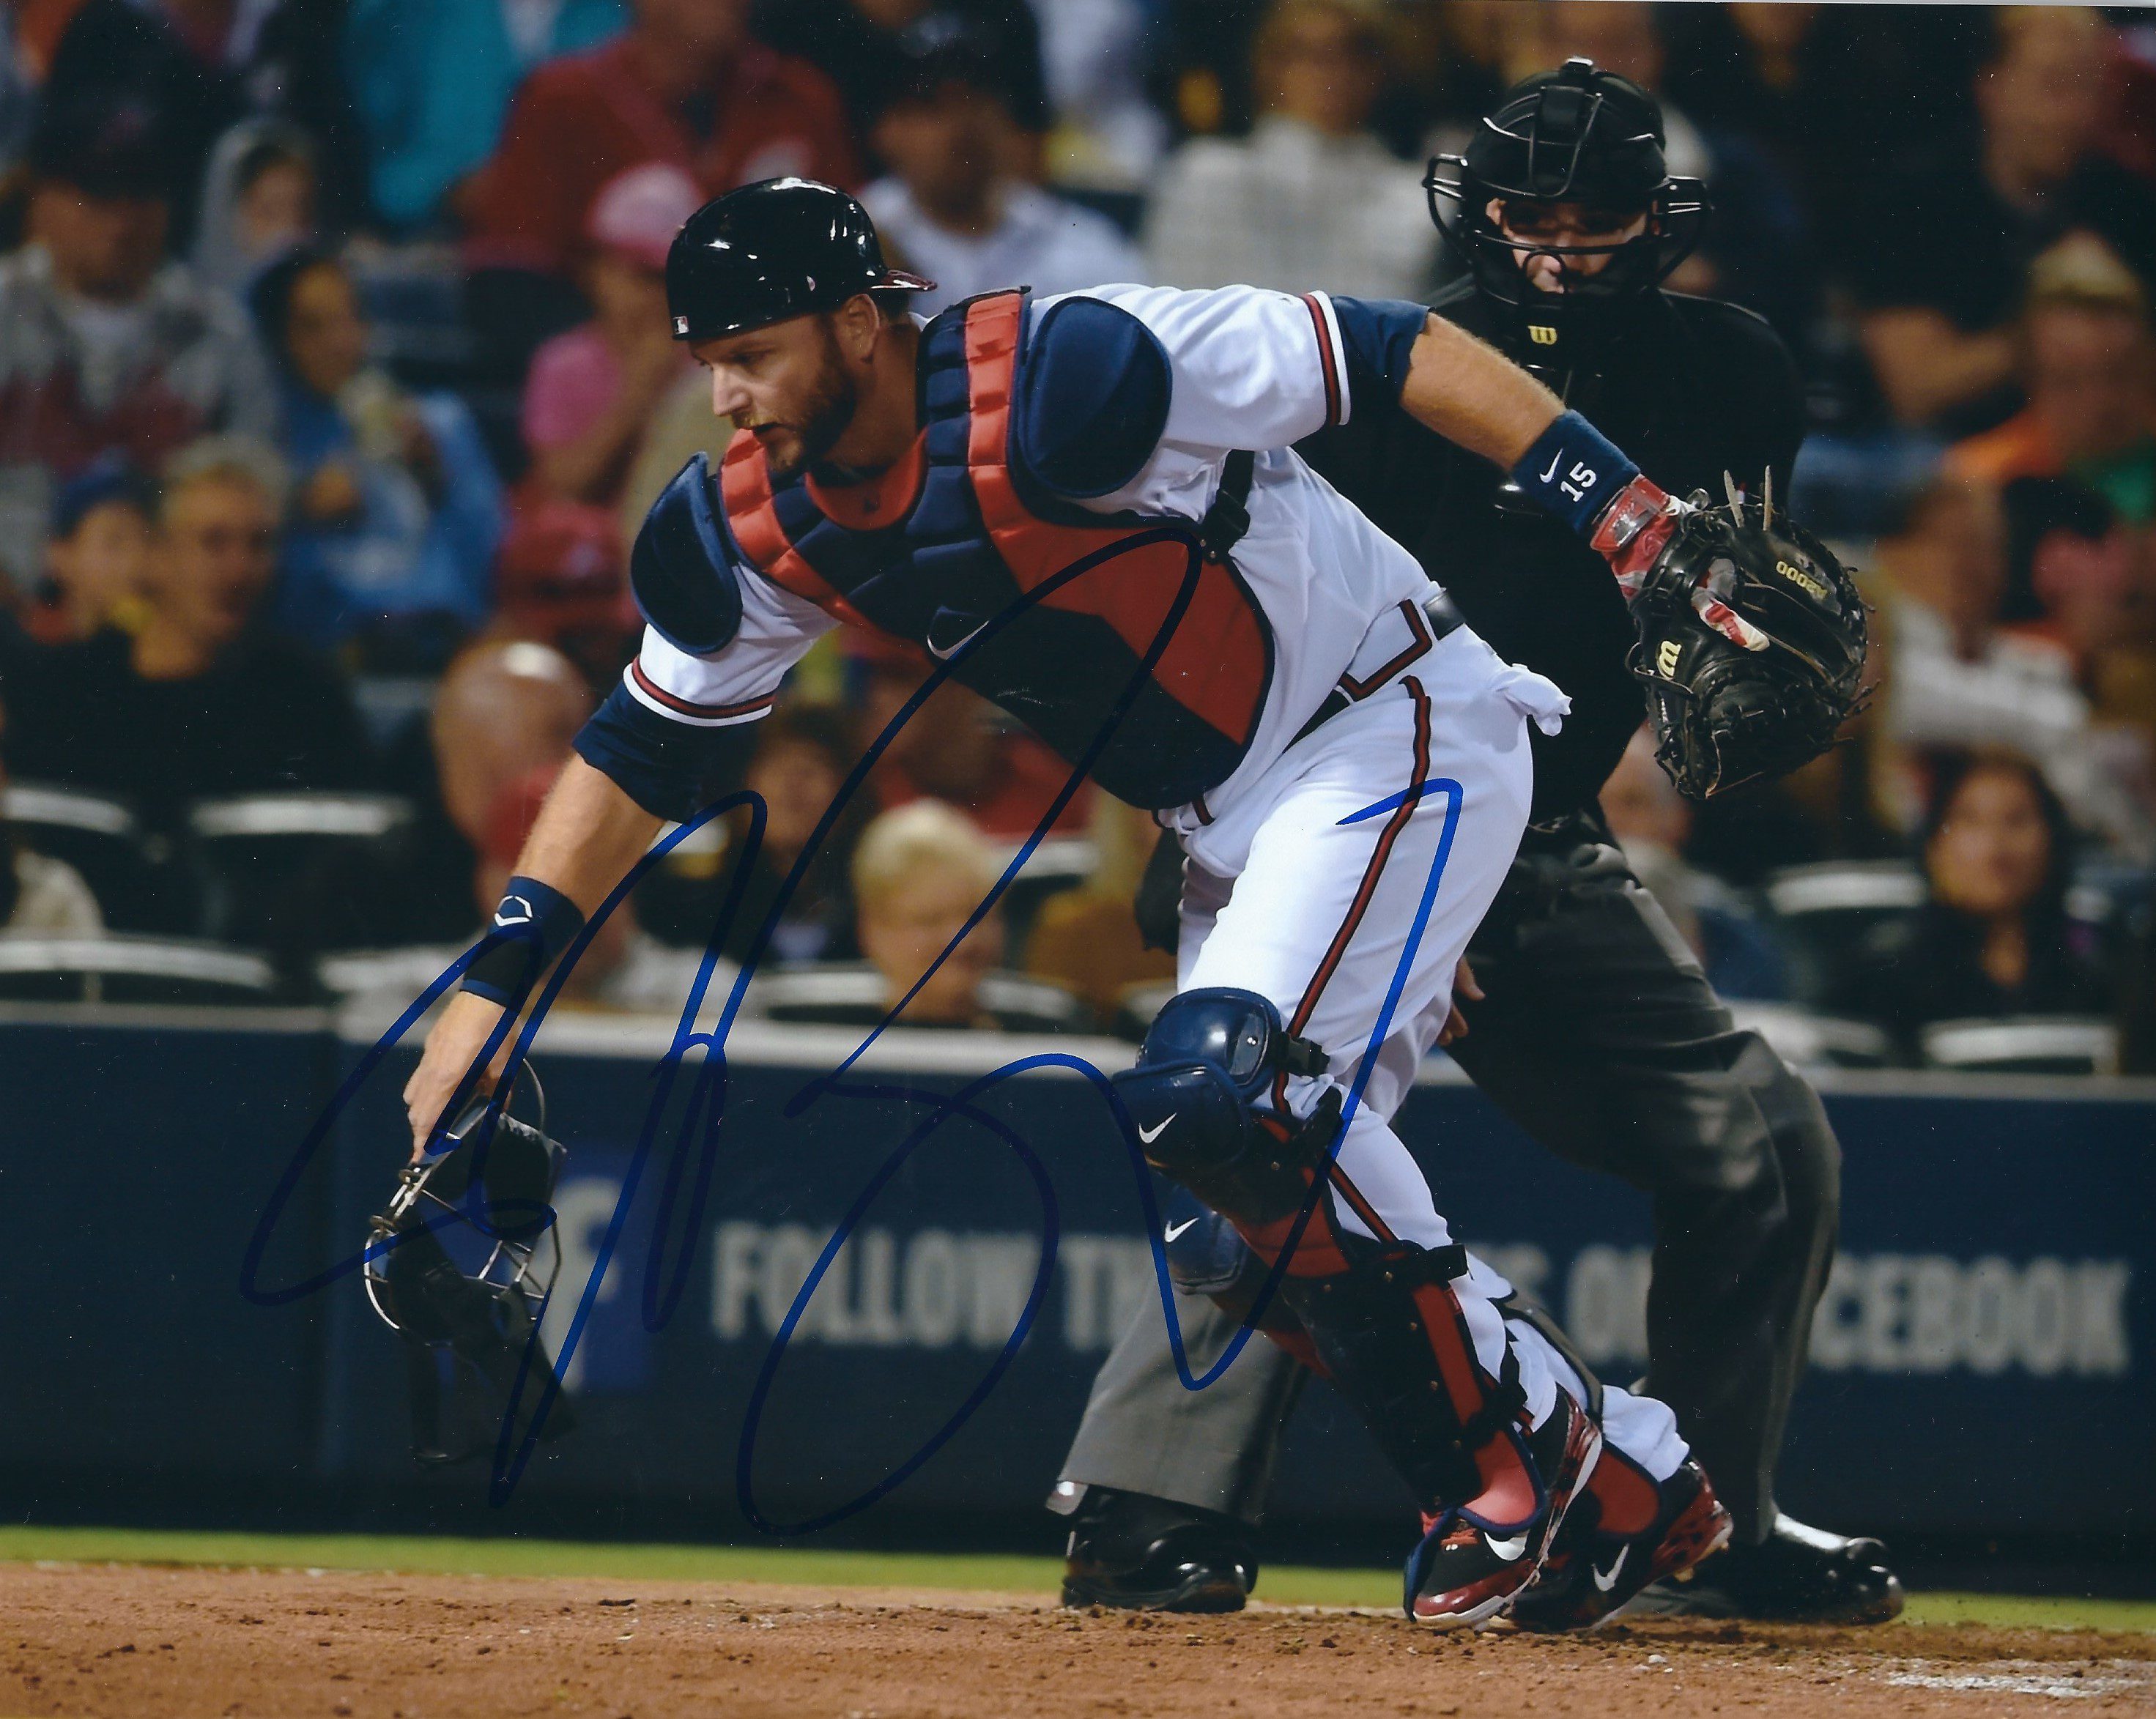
(1810, 1040)
(129, 969)
(851, 993)
(1820, 913)
(2029, 1044)
(100, 837)
(1059, 863)
(252, 850)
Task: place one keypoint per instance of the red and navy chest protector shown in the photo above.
(1046, 609)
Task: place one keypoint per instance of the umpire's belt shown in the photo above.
(1437, 618)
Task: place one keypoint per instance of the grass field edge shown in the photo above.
(975, 1572)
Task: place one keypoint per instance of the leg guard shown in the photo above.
(1382, 1319)
(1392, 1336)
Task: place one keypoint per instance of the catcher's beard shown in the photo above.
(824, 413)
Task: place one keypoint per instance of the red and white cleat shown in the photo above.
(1477, 1558)
(1625, 1532)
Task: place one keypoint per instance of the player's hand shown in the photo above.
(1463, 985)
(453, 1044)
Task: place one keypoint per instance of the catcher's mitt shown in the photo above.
(1729, 710)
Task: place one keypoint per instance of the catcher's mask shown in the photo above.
(1577, 135)
(460, 1264)
(1724, 716)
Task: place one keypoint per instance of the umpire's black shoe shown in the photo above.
(1797, 1575)
(1147, 1554)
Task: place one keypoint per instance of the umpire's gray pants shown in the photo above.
(1602, 1038)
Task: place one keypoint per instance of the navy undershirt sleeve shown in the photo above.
(670, 769)
(1379, 334)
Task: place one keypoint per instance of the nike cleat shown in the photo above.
(1625, 1533)
(1477, 1558)
(1144, 1554)
(1797, 1575)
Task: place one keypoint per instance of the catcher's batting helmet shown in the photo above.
(1723, 714)
(775, 250)
(1576, 135)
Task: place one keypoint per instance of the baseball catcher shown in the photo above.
(1089, 506)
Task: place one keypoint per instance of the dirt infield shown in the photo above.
(123, 1642)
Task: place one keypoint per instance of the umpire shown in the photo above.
(1594, 1028)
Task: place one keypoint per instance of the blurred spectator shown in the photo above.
(1829, 90)
(803, 757)
(1087, 938)
(103, 344)
(99, 540)
(504, 710)
(434, 83)
(1994, 938)
(1939, 246)
(2088, 368)
(918, 874)
(1956, 680)
(562, 577)
(1652, 822)
(1107, 134)
(397, 510)
(591, 391)
(687, 83)
(39, 896)
(957, 747)
(854, 43)
(1310, 196)
(201, 699)
(164, 57)
(2092, 577)
(953, 207)
(259, 201)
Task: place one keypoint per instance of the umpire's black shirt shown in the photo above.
(1689, 387)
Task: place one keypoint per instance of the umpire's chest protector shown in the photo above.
(1061, 616)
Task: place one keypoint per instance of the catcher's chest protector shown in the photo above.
(957, 535)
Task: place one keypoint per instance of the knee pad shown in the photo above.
(1195, 1098)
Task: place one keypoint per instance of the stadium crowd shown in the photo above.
(335, 377)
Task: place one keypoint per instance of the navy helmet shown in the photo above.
(775, 250)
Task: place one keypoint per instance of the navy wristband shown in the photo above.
(1574, 470)
(534, 923)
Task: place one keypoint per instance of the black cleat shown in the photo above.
(1798, 1575)
(1144, 1554)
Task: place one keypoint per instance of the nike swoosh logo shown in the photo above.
(1147, 1136)
(1510, 1550)
(1552, 472)
(944, 653)
(1606, 1582)
(1176, 1230)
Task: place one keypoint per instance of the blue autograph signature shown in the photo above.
(688, 1169)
